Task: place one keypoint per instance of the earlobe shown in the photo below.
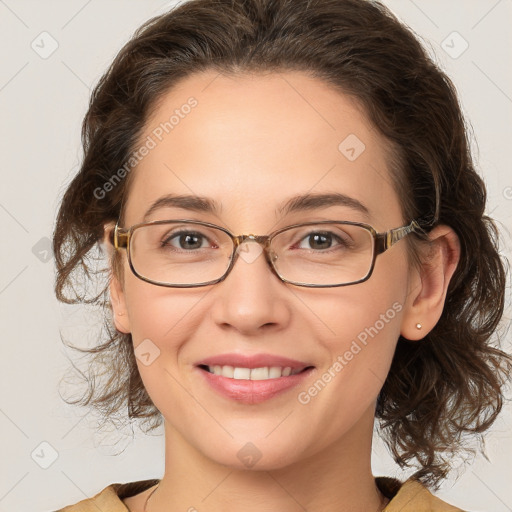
(428, 285)
(119, 311)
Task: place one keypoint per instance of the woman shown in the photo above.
(298, 246)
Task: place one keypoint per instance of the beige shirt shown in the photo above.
(409, 496)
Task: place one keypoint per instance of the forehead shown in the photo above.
(250, 142)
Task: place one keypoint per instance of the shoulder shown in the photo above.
(110, 498)
(411, 496)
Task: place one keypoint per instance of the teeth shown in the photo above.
(242, 373)
(264, 373)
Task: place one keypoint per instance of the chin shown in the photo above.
(253, 455)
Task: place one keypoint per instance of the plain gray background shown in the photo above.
(43, 98)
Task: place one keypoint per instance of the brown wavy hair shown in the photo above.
(439, 390)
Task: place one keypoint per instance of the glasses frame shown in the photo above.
(381, 243)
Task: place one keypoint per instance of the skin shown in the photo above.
(252, 142)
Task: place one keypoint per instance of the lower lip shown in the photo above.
(253, 391)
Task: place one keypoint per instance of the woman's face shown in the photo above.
(250, 144)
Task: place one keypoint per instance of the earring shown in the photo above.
(418, 326)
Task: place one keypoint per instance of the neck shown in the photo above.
(337, 478)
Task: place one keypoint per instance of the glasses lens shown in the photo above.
(323, 254)
(180, 253)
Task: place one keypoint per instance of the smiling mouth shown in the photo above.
(263, 373)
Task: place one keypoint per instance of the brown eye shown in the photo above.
(322, 240)
(187, 240)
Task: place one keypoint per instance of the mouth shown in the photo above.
(252, 379)
(261, 373)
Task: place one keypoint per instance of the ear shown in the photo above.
(117, 296)
(428, 284)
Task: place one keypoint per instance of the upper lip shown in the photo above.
(252, 361)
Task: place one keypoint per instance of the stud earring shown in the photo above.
(418, 326)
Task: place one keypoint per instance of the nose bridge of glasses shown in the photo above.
(262, 240)
(248, 255)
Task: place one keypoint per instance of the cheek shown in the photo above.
(364, 323)
(369, 310)
(160, 313)
(366, 329)
(162, 320)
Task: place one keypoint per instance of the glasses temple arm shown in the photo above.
(384, 241)
(119, 237)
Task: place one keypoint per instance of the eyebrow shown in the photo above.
(304, 202)
(317, 201)
(186, 202)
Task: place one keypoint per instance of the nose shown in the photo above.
(251, 296)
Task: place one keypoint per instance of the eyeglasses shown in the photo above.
(187, 253)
